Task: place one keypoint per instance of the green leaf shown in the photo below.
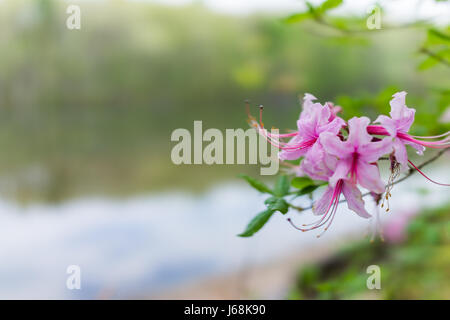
(311, 9)
(428, 63)
(258, 185)
(281, 186)
(277, 204)
(307, 190)
(441, 56)
(257, 223)
(438, 34)
(301, 182)
(329, 4)
(297, 17)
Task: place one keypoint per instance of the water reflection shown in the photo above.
(141, 245)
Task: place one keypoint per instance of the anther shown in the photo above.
(261, 107)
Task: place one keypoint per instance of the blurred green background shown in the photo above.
(413, 264)
(91, 111)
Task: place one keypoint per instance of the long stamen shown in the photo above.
(271, 137)
(329, 215)
(432, 137)
(326, 212)
(261, 107)
(273, 140)
(335, 196)
(440, 144)
(247, 108)
(333, 213)
(286, 145)
(395, 173)
(423, 174)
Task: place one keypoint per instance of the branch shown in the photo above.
(435, 56)
(350, 31)
(410, 172)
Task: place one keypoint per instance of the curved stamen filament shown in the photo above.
(432, 137)
(329, 215)
(286, 145)
(423, 174)
(261, 107)
(272, 138)
(333, 214)
(440, 144)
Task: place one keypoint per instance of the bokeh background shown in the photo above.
(85, 123)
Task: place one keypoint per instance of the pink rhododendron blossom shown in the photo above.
(357, 155)
(314, 120)
(321, 165)
(398, 125)
(345, 155)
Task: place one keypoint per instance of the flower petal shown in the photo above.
(372, 151)
(341, 172)
(334, 146)
(354, 199)
(388, 124)
(293, 154)
(307, 105)
(400, 152)
(368, 177)
(419, 148)
(317, 164)
(307, 128)
(334, 126)
(400, 113)
(398, 102)
(358, 134)
(322, 205)
(407, 119)
(308, 96)
(334, 110)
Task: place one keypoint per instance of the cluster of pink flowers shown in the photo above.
(345, 153)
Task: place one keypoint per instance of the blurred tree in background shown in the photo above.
(91, 111)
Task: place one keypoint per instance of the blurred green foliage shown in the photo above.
(416, 268)
(91, 111)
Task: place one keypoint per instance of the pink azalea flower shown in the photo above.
(348, 161)
(320, 165)
(398, 125)
(344, 164)
(315, 119)
(309, 105)
(357, 155)
(334, 110)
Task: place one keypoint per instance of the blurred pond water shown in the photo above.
(144, 244)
